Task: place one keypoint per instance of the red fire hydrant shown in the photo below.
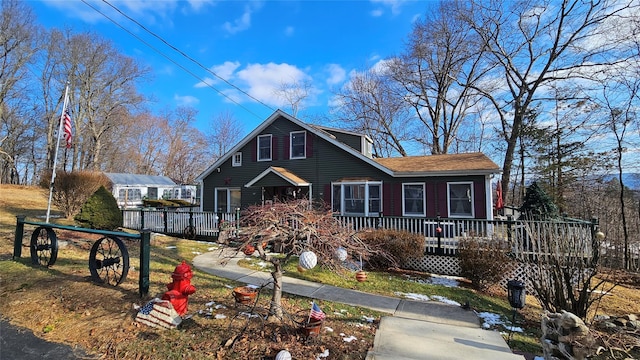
(180, 288)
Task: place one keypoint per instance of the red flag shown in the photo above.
(67, 128)
(499, 200)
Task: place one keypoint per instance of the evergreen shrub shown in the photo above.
(100, 211)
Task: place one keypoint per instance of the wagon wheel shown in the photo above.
(189, 232)
(109, 261)
(44, 246)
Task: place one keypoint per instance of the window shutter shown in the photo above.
(479, 200)
(327, 194)
(254, 149)
(285, 147)
(387, 199)
(397, 196)
(309, 145)
(274, 148)
(443, 198)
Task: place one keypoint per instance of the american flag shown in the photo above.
(316, 313)
(67, 128)
(159, 313)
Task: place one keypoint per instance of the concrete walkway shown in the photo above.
(416, 329)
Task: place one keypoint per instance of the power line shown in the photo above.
(175, 62)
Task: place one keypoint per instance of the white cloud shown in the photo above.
(186, 100)
(263, 80)
(336, 74)
(225, 71)
(393, 5)
(244, 21)
(377, 12)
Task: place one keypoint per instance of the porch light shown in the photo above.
(600, 235)
(516, 293)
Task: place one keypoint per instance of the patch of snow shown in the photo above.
(220, 306)
(221, 316)
(368, 319)
(349, 339)
(262, 264)
(443, 299)
(210, 303)
(413, 296)
(171, 247)
(328, 329)
(490, 319)
(196, 252)
(448, 281)
(212, 248)
(324, 354)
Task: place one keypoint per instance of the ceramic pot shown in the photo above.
(361, 276)
(244, 295)
(312, 328)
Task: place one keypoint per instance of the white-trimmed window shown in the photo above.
(127, 195)
(413, 199)
(357, 198)
(227, 199)
(236, 160)
(264, 147)
(460, 199)
(298, 145)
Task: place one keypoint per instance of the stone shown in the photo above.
(633, 324)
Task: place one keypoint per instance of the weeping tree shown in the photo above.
(297, 226)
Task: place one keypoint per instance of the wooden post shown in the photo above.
(17, 242)
(145, 254)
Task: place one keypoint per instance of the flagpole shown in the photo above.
(55, 157)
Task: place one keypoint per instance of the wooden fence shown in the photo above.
(442, 236)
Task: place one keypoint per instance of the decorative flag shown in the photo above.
(316, 313)
(499, 200)
(159, 313)
(67, 128)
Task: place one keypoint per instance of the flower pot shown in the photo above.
(244, 295)
(361, 276)
(312, 328)
(249, 249)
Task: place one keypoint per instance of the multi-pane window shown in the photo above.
(460, 199)
(237, 159)
(413, 199)
(227, 199)
(264, 147)
(357, 198)
(128, 195)
(298, 145)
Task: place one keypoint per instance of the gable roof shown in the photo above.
(429, 165)
(136, 180)
(283, 173)
(279, 113)
(445, 164)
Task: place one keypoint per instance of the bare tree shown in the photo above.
(224, 132)
(18, 45)
(186, 146)
(535, 43)
(295, 93)
(441, 61)
(368, 104)
(298, 227)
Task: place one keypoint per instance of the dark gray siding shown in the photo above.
(326, 163)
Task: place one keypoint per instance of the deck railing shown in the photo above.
(526, 239)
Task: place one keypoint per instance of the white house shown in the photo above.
(130, 189)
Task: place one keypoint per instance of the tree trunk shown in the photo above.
(275, 310)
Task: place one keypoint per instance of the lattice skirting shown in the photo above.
(443, 265)
(450, 265)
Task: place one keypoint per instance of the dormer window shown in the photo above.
(298, 145)
(264, 147)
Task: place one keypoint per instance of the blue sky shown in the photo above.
(255, 45)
